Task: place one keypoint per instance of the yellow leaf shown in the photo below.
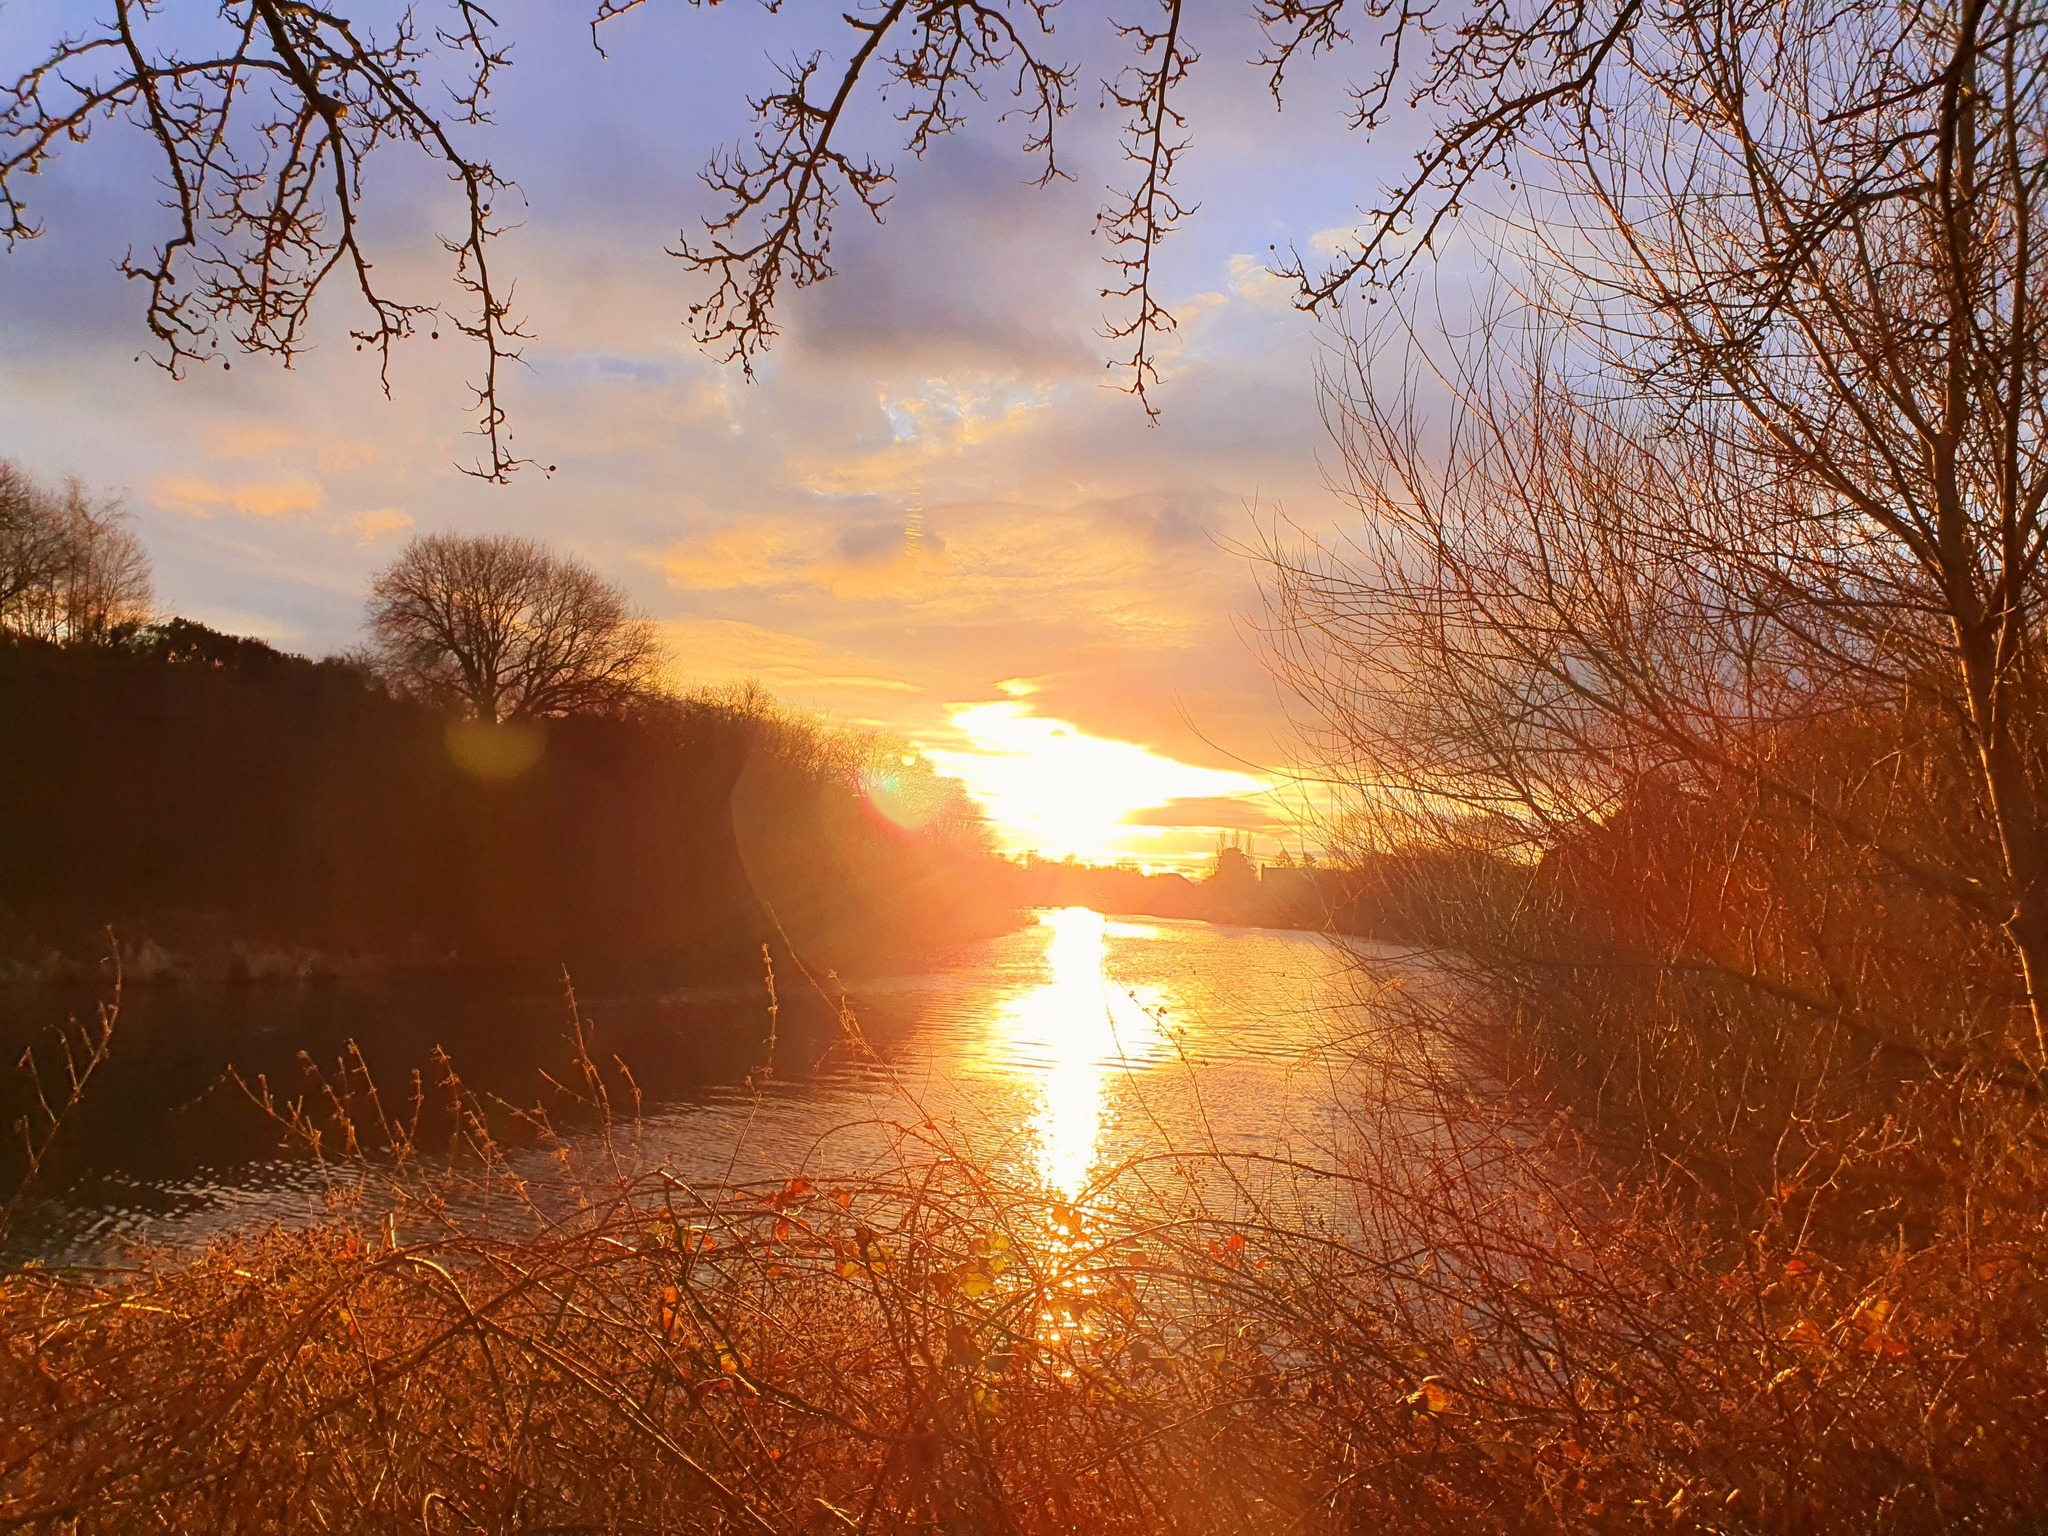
(1430, 1397)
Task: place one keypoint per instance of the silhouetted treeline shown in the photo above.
(1374, 900)
(215, 802)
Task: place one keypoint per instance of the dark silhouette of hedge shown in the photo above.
(205, 792)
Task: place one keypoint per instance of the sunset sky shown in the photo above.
(928, 513)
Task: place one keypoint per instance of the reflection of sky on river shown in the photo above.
(1059, 1053)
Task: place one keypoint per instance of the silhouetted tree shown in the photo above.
(69, 570)
(30, 548)
(207, 790)
(508, 629)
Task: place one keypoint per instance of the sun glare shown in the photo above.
(1073, 1030)
(1051, 788)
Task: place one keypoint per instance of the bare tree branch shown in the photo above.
(261, 137)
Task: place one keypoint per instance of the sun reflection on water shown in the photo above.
(1071, 1032)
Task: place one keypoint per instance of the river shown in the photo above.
(1059, 1050)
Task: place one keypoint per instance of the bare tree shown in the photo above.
(70, 570)
(31, 546)
(1745, 495)
(263, 117)
(105, 583)
(507, 629)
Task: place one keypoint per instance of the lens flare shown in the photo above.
(904, 792)
(494, 751)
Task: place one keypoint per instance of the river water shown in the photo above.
(1058, 1051)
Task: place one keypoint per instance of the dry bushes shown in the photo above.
(1450, 1330)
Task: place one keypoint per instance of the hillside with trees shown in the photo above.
(499, 781)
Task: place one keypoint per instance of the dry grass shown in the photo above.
(1456, 1327)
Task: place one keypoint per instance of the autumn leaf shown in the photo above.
(1431, 1397)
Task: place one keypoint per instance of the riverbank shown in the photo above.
(1114, 1240)
(227, 812)
(931, 1345)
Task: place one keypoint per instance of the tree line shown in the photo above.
(501, 776)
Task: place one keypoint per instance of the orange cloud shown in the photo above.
(373, 525)
(200, 497)
(1052, 787)
(874, 560)
(711, 652)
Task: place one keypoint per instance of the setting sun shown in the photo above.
(1308, 821)
(1051, 788)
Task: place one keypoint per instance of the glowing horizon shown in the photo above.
(1053, 789)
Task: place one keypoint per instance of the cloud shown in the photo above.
(1209, 812)
(246, 439)
(715, 652)
(975, 266)
(1053, 788)
(862, 560)
(1251, 279)
(375, 524)
(930, 488)
(202, 497)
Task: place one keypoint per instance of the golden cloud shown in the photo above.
(863, 562)
(373, 525)
(1211, 813)
(200, 497)
(246, 440)
(1051, 787)
(718, 651)
(990, 565)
